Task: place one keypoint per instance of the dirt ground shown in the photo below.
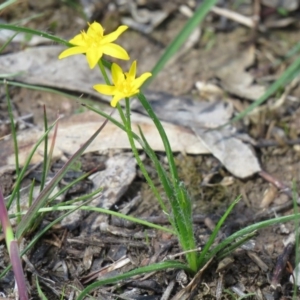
(60, 257)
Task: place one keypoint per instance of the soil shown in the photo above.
(64, 260)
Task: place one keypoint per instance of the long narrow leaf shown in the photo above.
(45, 160)
(190, 25)
(202, 257)
(7, 3)
(45, 89)
(286, 77)
(25, 167)
(43, 197)
(35, 32)
(15, 140)
(8, 42)
(151, 268)
(252, 228)
(162, 133)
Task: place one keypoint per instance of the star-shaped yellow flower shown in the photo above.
(94, 44)
(124, 84)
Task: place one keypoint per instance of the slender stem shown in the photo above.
(103, 72)
(162, 133)
(127, 124)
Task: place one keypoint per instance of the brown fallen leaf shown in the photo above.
(75, 130)
(236, 80)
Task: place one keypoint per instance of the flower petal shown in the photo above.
(115, 50)
(132, 72)
(79, 39)
(116, 99)
(93, 55)
(105, 89)
(117, 74)
(95, 29)
(72, 51)
(114, 35)
(140, 80)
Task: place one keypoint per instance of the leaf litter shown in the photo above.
(243, 275)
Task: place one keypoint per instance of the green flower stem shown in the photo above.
(103, 72)
(162, 133)
(127, 124)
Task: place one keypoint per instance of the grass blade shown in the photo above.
(173, 47)
(143, 270)
(203, 256)
(15, 141)
(43, 196)
(7, 3)
(45, 161)
(286, 77)
(35, 32)
(25, 167)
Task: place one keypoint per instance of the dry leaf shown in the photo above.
(236, 80)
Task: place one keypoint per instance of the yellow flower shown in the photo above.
(94, 44)
(124, 84)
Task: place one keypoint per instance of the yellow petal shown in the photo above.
(72, 51)
(93, 56)
(116, 99)
(140, 80)
(114, 35)
(132, 72)
(105, 89)
(79, 39)
(117, 74)
(115, 50)
(95, 29)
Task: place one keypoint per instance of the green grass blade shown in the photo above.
(181, 210)
(68, 186)
(8, 42)
(160, 171)
(286, 77)
(42, 232)
(173, 47)
(161, 130)
(7, 3)
(15, 141)
(228, 250)
(112, 213)
(43, 196)
(45, 161)
(203, 256)
(127, 122)
(25, 167)
(40, 292)
(35, 32)
(50, 90)
(184, 221)
(252, 228)
(143, 270)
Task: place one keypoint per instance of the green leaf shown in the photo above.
(173, 47)
(143, 270)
